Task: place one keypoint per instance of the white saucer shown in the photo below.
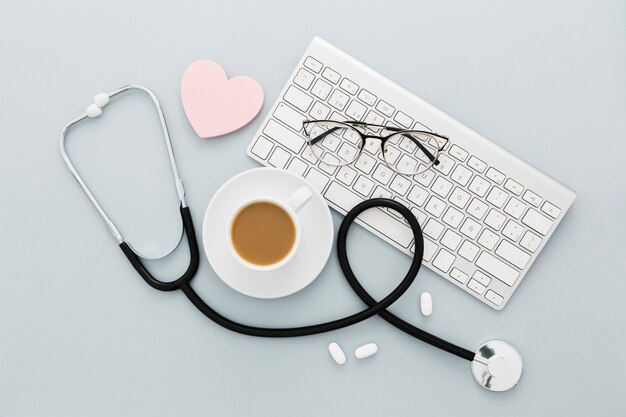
(309, 260)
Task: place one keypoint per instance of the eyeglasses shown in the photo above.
(408, 152)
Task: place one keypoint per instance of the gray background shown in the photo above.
(81, 334)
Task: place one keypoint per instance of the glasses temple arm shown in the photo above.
(323, 135)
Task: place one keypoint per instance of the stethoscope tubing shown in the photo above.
(374, 307)
(183, 283)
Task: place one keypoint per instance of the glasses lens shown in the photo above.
(334, 143)
(411, 153)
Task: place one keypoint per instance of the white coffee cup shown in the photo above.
(292, 205)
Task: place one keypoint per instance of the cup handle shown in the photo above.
(299, 198)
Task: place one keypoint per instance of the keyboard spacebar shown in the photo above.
(380, 221)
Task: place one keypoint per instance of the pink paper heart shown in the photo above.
(216, 105)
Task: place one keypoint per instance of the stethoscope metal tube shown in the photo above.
(496, 365)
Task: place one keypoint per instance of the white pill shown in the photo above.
(426, 303)
(365, 351)
(101, 99)
(93, 110)
(337, 353)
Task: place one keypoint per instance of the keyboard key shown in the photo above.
(347, 152)
(421, 217)
(262, 147)
(511, 253)
(298, 98)
(441, 187)
(346, 175)
(459, 198)
(363, 186)
(497, 268)
(435, 206)
(367, 97)
(382, 174)
(400, 185)
(514, 187)
(551, 210)
(313, 64)
(321, 89)
(479, 186)
(309, 156)
(349, 86)
(385, 108)
(433, 229)
(329, 169)
(488, 239)
(477, 209)
(482, 278)
(331, 75)
(425, 178)
(537, 221)
(495, 219)
(532, 198)
(381, 192)
(445, 164)
(297, 166)
(319, 111)
(372, 146)
(451, 240)
(407, 164)
(444, 260)
(476, 286)
(515, 208)
(317, 179)
(338, 100)
(374, 118)
(468, 250)
(289, 116)
(453, 217)
(365, 163)
(356, 110)
(494, 297)
(495, 175)
(476, 164)
(497, 197)
(429, 249)
(458, 152)
(513, 230)
(459, 275)
(530, 241)
(417, 195)
(304, 78)
(279, 158)
(470, 228)
(461, 175)
(338, 117)
(405, 120)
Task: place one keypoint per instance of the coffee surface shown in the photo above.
(263, 233)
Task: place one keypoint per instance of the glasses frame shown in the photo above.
(383, 139)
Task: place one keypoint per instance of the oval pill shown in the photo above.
(365, 351)
(426, 303)
(337, 353)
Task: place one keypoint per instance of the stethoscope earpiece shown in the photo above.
(497, 366)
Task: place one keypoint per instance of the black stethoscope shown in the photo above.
(496, 365)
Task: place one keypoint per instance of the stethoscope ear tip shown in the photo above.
(497, 366)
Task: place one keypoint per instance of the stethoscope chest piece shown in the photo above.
(497, 366)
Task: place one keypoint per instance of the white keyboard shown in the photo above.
(485, 213)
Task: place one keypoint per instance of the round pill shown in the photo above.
(366, 351)
(337, 353)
